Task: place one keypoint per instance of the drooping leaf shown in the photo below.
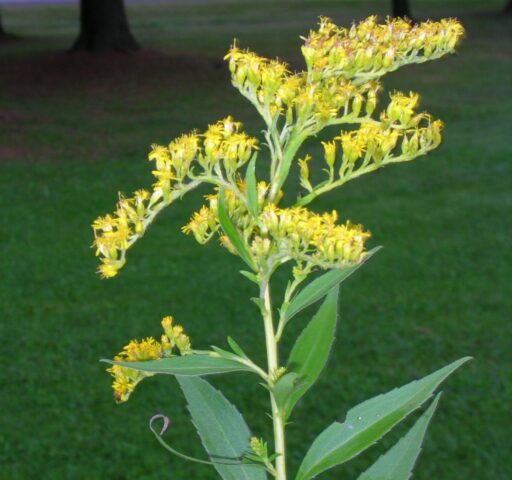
(187, 365)
(252, 187)
(319, 287)
(368, 422)
(222, 429)
(231, 231)
(398, 462)
(311, 350)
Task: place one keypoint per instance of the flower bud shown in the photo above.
(371, 102)
(389, 58)
(356, 105)
(330, 153)
(226, 243)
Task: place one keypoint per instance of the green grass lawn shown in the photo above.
(76, 129)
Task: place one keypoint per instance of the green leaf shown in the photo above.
(225, 353)
(283, 388)
(231, 231)
(311, 350)
(237, 348)
(368, 422)
(187, 365)
(398, 462)
(222, 429)
(319, 287)
(259, 302)
(250, 276)
(252, 187)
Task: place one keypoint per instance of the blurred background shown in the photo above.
(75, 128)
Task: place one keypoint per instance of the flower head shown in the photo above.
(125, 378)
(369, 49)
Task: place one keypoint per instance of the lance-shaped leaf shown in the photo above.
(187, 365)
(398, 462)
(231, 231)
(252, 187)
(282, 390)
(223, 431)
(320, 286)
(311, 350)
(368, 422)
(237, 348)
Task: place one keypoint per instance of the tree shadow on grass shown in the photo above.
(53, 73)
(47, 98)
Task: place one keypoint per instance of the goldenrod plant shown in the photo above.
(340, 86)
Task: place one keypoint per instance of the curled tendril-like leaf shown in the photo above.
(165, 426)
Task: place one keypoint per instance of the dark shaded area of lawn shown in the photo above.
(75, 129)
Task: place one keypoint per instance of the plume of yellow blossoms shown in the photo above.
(218, 153)
(340, 86)
(282, 234)
(370, 50)
(126, 379)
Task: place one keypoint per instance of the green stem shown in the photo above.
(287, 298)
(358, 173)
(283, 168)
(273, 364)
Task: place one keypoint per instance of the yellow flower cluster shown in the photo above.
(261, 78)
(343, 68)
(276, 91)
(319, 104)
(299, 234)
(369, 49)
(173, 162)
(400, 135)
(113, 233)
(283, 233)
(220, 152)
(205, 223)
(224, 141)
(223, 144)
(126, 379)
(175, 336)
(377, 143)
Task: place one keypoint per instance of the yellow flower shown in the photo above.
(109, 268)
(125, 378)
(330, 152)
(202, 224)
(353, 146)
(304, 172)
(176, 336)
(160, 154)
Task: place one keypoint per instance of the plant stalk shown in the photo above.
(273, 364)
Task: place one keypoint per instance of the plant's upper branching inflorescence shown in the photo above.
(340, 86)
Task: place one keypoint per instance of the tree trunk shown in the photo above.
(103, 27)
(508, 7)
(2, 31)
(401, 8)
